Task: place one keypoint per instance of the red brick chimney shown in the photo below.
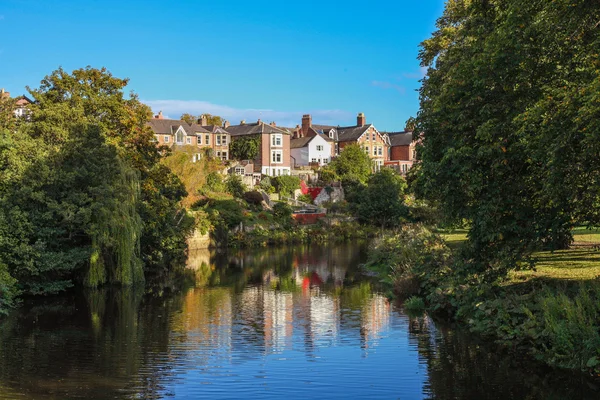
(306, 124)
(361, 120)
(273, 123)
(259, 121)
(159, 115)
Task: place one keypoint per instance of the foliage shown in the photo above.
(414, 304)
(214, 183)
(253, 197)
(83, 198)
(352, 164)
(245, 147)
(210, 119)
(328, 175)
(282, 212)
(305, 198)
(286, 184)
(381, 202)
(266, 185)
(235, 187)
(509, 108)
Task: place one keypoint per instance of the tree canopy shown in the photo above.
(83, 197)
(509, 111)
(210, 119)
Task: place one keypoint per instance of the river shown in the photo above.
(300, 322)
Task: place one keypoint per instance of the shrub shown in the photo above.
(286, 184)
(282, 211)
(254, 197)
(414, 304)
(235, 186)
(305, 198)
(214, 183)
(266, 185)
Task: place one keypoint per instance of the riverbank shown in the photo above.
(550, 311)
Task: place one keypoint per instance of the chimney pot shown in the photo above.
(226, 124)
(159, 115)
(259, 121)
(243, 122)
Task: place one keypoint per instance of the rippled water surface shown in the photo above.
(275, 323)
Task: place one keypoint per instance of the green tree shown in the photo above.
(507, 111)
(286, 184)
(381, 203)
(352, 164)
(245, 147)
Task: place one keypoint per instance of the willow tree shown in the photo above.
(509, 113)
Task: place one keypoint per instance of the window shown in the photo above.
(276, 140)
(224, 140)
(199, 138)
(374, 150)
(206, 139)
(240, 171)
(314, 160)
(380, 150)
(196, 157)
(188, 140)
(320, 148)
(403, 167)
(218, 137)
(414, 153)
(224, 155)
(331, 134)
(367, 149)
(179, 136)
(373, 137)
(276, 156)
(166, 139)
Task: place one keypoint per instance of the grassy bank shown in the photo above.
(551, 312)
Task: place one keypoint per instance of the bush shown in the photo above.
(305, 198)
(254, 197)
(282, 212)
(266, 185)
(286, 184)
(414, 304)
(235, 186)
(214, 183)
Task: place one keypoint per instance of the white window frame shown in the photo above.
(166, 138)
(224, 140)
(207, 139)
(241, 171)
(367, 149)
(380, 151)
(224, 155)
(218, 138)
(319, 147)
(374, 137)
(188, 140)
(274, 153)
(277, 140)
(199, 139)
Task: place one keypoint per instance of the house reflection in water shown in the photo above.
(281, 301)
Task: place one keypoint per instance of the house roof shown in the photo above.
(300, 142)
(169, 126)
(215, 129)
(323, 127)
(349, 133)
(400, 138)
(254, 129)
(195, 128)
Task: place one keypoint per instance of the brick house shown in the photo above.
(273, 157)
(21, 103)
(374, 143)
(402, 151)
(176, 132)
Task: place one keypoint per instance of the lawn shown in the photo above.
(580, 263)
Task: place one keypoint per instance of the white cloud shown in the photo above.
(389, 85)
(416, 75)
(174, 109)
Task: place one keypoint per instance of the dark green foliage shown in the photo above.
(266, 185)
(286, 184)
(253, 197)
(381, 202)
(282, 212)
(235, 187)
(509, 111)
(214, 183)
(305, 198)
(245, 147)
(83, 198)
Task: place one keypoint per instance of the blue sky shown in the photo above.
(273, 59)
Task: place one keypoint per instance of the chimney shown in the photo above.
(203, 120)
(361, 120)
(259, 121)
(226, 124)
(273, 123)
(243, 122)
(159, 115)
(306, 123)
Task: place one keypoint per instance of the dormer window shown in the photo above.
(179, 136)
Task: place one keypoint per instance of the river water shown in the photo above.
(272, 323)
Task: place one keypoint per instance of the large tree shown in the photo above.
(509, 113)
(84, 198)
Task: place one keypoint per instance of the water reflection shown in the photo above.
(296, 323)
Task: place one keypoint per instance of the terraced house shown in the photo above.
(374, 143)
(273, 158)
(176, 132)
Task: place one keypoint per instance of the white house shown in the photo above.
(310, 149)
